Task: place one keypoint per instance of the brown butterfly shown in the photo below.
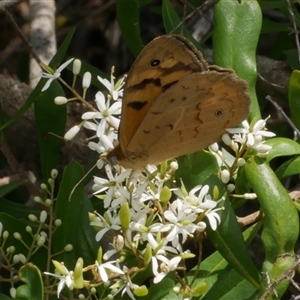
(175, 103)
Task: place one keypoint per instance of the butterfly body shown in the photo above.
(175, 103)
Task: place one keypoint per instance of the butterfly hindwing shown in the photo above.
(191, 115)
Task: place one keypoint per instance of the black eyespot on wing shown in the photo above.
(154, 63)
(219, 113)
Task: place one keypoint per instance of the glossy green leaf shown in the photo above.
(289, 168)
(229, 241)
(219, 277)
(294, 97)
(276, 204)
(5, 297)
(270, 26)
(68, 210)
(7, 188)
(198, 168)
(50, 119)
(34, 289)
(282, 147)
(87, 246)
(16, 210)
(235, 38)
(161, 290)
(128, 16)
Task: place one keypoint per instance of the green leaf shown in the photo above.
(282, 147)
(87, 246)
(128, 16)
(34, 289)
(16, 210)
(229, 241)
(277, 236)
(68, 210)
(289, 168)
(294, 97)
(5, 297)
(7, 188)
(198, 168)
(292, 58)
(235, 38)
(161, 290)
(50, 119)
(219, 277)
(270, 26)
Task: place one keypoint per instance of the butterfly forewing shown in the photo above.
(160, 64)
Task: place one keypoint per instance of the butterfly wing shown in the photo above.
(159, 65)
(189, 116)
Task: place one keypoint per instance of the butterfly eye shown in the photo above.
(219, 113)
(154, 63)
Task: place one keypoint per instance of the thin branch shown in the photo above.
(295, 28)
(17, 168)
(289, 121)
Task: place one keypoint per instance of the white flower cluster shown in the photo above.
(140, 215)
(244, 141)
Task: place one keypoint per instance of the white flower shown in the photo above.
(202, 204)
(107, 265)
(115, 89)
(165, 267)
(105, 114)
(118, 244)
(53, 75)
(125, 285)
(108, 222)
(251, 135)
(182, 222)
(111, 184)
(65, 279)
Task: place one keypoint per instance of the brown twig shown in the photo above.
(18, 169)
(250, 219)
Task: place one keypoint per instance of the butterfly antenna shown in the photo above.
(80, 181)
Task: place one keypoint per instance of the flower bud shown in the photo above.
(43, 216)
(60, 100)
(226, 139)
(68, 248)
(225, 176)
(214, 147)
(240, 162)
(71, 133)
(230, 187)
(76, 66)
(78, 274)
(174, 166)
(17, 236)
(165, 195)
(124, 215)
(250, 196)
(86, 80)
